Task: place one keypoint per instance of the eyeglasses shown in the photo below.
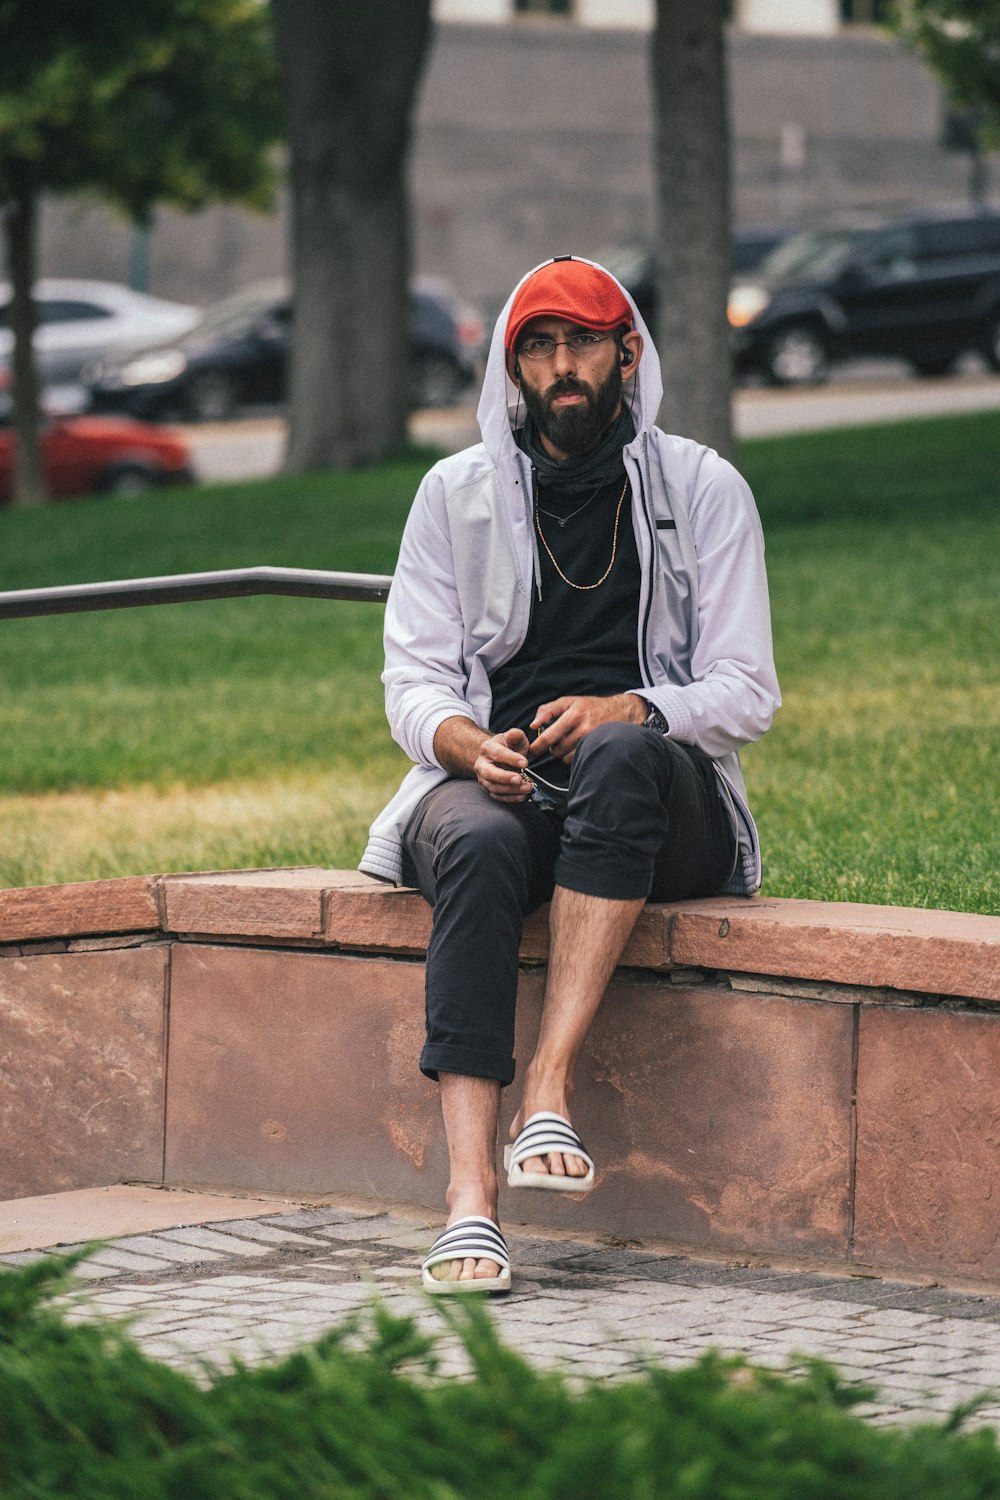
(540, 347)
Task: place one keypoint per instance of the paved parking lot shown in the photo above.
(258, 1287)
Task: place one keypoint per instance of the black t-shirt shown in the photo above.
(582, 641)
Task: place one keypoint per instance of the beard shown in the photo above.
(575, 429)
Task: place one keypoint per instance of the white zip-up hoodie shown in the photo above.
(460, 601)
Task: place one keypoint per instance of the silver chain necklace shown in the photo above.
(561, 520)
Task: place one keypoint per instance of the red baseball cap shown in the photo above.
(573, 290)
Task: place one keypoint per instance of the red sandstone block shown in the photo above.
(645, 949)
(89, 906)
(277, 905)
(298, 1072)
(81, 1087)
(716, 1119)
(933, 952)
(648, 947)
(928, 1153)
(379, 917)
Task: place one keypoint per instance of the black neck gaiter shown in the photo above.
(580, 473)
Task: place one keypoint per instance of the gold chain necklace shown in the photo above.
(584, 587)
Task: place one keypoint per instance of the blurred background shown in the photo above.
(534, 135)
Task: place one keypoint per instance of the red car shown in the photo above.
(101, 455)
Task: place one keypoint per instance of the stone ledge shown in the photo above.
(888, 947)
(884, 947)
(899, 949)
(83, 908)
(274, 905)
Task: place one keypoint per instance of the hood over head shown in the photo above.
(565, 286)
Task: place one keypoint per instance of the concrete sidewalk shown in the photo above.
(207, 1278)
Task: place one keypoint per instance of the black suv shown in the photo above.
(924, 289)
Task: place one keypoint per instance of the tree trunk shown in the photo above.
(350, 74)
(692, 191)
(20, 219)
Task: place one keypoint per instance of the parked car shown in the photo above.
(635, 264)
(78, 321)
(752, 246)
(237, 355)
(101, 455)
(925, 289)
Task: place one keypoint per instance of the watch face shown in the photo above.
(655, 720)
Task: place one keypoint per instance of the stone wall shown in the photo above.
(764, 1077)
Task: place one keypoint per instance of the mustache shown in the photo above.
(567, 386)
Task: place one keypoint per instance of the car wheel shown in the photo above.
(435, 380)
(211, 397)
(797, 355)
(128, 479)
(991, 344)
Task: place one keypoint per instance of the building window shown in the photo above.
(864, 12)
(543, 7)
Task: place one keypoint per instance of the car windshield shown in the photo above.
(236, 315)
(813, 255)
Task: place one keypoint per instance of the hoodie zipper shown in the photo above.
(527, 492)
(531, 499)
(653, 574)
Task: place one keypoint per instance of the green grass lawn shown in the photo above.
(250, 732)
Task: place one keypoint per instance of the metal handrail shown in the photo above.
(181, 588)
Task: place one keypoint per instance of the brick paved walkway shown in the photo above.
(257, 1287)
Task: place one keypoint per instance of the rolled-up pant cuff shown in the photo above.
(445, 1057)
(608, 883)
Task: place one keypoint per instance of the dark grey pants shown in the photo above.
(643, 819)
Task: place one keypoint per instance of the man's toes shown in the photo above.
(556, 1165)
(464, 1270)
(544, 1165)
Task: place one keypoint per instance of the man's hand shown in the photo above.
(499, 764)
(565, 721)
(494, 760)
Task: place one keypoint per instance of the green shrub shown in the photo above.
(84, 1415)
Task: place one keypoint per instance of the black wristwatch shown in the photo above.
(654, 719)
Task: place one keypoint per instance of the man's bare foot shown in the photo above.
(555, 1164)
(462, 1203)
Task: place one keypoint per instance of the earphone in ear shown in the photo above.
(627, 356)
(517, 369)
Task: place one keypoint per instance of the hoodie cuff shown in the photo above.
(430, 726)
(670, 702)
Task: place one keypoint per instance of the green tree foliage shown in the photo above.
(163, 101)
(961, 41)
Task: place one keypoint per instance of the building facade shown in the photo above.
(534, 136)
